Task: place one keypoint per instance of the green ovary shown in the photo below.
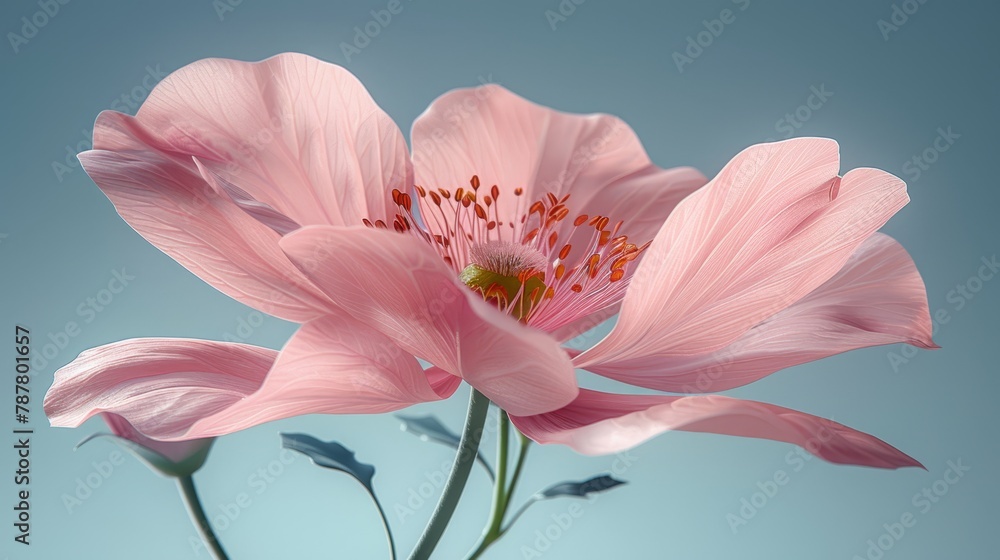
(493, 285)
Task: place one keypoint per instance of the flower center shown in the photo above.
(511, 275)
(528, 258)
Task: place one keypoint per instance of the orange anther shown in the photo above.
(564, 252)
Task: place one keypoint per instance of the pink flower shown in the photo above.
(284, 185)
(169, 458)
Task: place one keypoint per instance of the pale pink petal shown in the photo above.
(584, 324)
(877, 298)
(443, 383)
(601, 423)
(297, 134)
(642, 200)
(775, 224)
(513, 143)
(164, 198)
(398, 285)
(335, 365)
(161, 386)
(176, 451)
(172, 389)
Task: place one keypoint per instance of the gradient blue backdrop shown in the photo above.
(892, 90)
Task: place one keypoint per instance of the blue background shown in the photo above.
(891, 93)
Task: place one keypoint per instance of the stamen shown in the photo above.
(529, 269)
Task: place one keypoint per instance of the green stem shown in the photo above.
(468, 447)
(517, 514)
(522, 454)
(198, 517)
(502, 493)
(388, 530)
(500, 485)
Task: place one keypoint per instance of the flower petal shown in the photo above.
(397, 284)
(601, 423)
(511, 142)
(171, 389)
(175, 451)
(161, 386)
(760, 236)
(876, 298)
(297, 134)
(335, 365)
(165, 199)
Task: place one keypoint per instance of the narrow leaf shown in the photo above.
(429, 428)
(580, 489)
(331, 455)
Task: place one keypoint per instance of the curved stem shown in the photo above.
(520, 511)
(500, 484)
(453, 487)
(502, 494)
(388, 530)
(522, 454)
(198, 517)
